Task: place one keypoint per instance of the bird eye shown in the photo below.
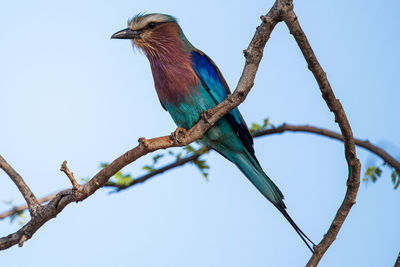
(152, 25)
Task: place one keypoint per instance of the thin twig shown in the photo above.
(70, 175)
(353, 181)
(146, 177)
(26, 192)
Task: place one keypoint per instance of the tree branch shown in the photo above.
(21, 208)
(253, 56)
(334, 135)
(26, 192)
(277, 130)
(146, 177)
(353, 181)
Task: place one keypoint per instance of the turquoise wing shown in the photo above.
(215, 84)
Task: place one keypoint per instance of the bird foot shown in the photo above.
(206, 115)
(179, 135)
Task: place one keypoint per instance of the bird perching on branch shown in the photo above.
(188, 83)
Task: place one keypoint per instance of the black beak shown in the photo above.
(126, 34)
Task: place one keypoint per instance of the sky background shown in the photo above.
(68, 92)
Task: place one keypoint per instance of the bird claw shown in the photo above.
(206, 115)
(179, 135)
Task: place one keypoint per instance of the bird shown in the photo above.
(188, 83)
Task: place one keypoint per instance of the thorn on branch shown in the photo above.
(22, 240)
(264, 19)
(143, 142)
(70, 175)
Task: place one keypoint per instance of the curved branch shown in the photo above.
(353, 181)
(334, 135)
(181, 137)
(26, 192)
(146, 177)
(277, 130)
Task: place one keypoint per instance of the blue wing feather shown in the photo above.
(215, 84)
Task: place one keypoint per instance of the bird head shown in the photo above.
(154, 34)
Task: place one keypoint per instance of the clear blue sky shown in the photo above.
(68, 92)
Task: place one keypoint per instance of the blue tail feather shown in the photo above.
(253, 171)
(250, 167)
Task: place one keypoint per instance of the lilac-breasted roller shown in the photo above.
(188, 83)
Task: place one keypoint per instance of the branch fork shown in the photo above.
(31, 200)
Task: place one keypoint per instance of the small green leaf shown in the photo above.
(157, 157)
(9, 202)
(19, 214)
(394, 176)
(123, 179)
(189, 149)
(372, 173)
(378, 172)
(397, 184)
(254, 127)
(149, 168)
(202, 166)
(85, 179)
(370, 170)
(266, 123)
